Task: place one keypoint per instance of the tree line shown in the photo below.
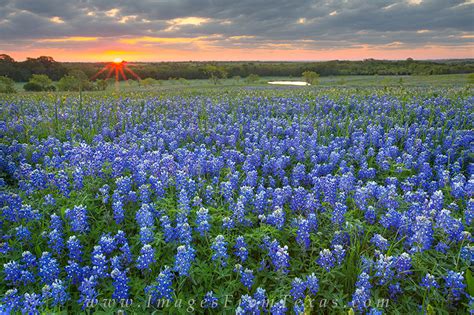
(22, 71)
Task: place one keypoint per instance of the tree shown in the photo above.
(39, 82)
(101, 85)
(7, 85)
(76, 80)
(311, 77)
(252, 78)
(149, 82)
(215, 73)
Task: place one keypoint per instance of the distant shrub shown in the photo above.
(252, 78)
(101, 85)
(38, 83)
(311, 77)
(76, 80)
(35, 87)
(183, 81)
(7, 85)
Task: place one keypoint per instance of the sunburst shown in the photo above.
(118, 67)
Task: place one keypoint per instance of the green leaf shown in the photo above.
(470, 282)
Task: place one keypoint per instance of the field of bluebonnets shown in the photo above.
(238, 201)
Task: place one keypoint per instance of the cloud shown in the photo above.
(245, 24)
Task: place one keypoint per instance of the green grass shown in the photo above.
(449, 80)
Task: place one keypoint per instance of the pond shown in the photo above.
(289, 83)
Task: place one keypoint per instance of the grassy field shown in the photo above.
(453, 80)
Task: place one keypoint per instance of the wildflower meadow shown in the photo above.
(238, 201)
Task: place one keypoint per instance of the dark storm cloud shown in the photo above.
(247, 23)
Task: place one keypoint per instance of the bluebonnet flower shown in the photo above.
(184, 257)
(12, 271)
(48, 268)
(120, 283)
(144, 216)
(124, 184)
(260, 296)
(78, 177)
(144, 192)
(78, 219)
(326, 259)
(454, 285)
(241, 250)
(370, 215)
(119, 213)
(107, 243)
(104, 193)
(202, 221)
(23, 234)
(99, 265)
(442, 247)
(422, 235)
(75, 248)
(168, 229)
(380, 242)
(210, 301)
(403, 265)
(339, 253)
(312, 283)
(384, 268)
(219, 247)
(338, 214)
(247, 305)
(429, 282)
(146, 235)
(279, 255)
(467, 253)
(74, 272)
(126, 256)
(246, 277)
(183, 231)
(49, 200)
(298, 308)
(31, 303)
(28, 259)
(362, 293)
(302, 232)
(146, 258)
(55, 241)
(279, 308)
(56, 291)
(298, 288)
(88, 291)
(12, 300)
(228, 223)
(276, 218)
(162, 289)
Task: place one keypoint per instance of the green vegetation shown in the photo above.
(311, 77)
(21, 71)
(7, 85)
(39, 82)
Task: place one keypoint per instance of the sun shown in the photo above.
(118, 60)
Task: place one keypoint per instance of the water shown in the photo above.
(289, 83)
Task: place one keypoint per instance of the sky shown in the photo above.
(286, 30)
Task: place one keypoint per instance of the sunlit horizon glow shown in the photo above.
(274, 30)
